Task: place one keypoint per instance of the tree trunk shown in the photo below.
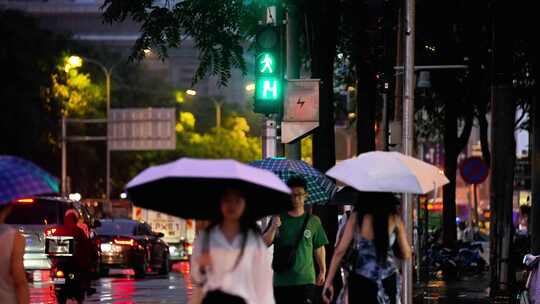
(534, 223)
(484, 142)
(360, 19)
(450, 167)
(322, 30)
(453, 145)
(366, 98)
(502, 185)
(322, 16)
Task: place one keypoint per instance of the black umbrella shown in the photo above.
(191, 188)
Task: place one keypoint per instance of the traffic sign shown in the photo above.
(302, 100)
(142, 129)
(474, 170)
(301, 109)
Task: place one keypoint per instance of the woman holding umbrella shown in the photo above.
(374, 227)
(230, 262)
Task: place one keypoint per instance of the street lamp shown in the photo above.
(250, 87)
(75, 62)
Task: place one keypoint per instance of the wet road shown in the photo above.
(467, 290)
(174, 288)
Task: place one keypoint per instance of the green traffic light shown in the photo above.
(267, 88)
(268, 71)
(266, 63)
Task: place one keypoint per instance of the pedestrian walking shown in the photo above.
(297, 236)
(229, 262)
(373, 228)
(13, 283)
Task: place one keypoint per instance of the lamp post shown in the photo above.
(77, 61)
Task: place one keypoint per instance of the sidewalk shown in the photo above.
(470, 290)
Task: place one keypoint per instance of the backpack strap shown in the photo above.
(245, 236)
(299, 237)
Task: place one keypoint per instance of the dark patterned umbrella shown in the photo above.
(21, 178)
(320, 188)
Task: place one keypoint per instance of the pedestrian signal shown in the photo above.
(268, 72)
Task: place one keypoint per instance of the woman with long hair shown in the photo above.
(230, 263)
(373, 228)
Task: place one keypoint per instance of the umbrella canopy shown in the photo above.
(21, 178)
(319, 187)
(191, 188)
(388, 172)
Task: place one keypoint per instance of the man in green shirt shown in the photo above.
(297, 284)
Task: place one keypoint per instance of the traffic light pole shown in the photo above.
(269, 138)
(408, 139)
(268, 83)
(294, 149)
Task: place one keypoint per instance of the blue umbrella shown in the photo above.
(320, 188)
(21, 178)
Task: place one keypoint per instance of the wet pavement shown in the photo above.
(173, 288)
(467, 290)
(176, 288)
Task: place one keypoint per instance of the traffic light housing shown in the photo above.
(268, 70)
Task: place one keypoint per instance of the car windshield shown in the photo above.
(40, 212)
(116, 228)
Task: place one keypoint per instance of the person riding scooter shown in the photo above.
(84, 250)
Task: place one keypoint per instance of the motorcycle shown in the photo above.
(454, 263)
(528, 286)
(65, 273)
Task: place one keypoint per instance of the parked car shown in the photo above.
(130, 244)
(35, 218)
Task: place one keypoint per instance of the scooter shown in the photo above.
(528, 290)
(65, 274)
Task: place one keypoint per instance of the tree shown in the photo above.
(75, 92)
(220, 29)
(448, 109)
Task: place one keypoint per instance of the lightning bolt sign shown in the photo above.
(300, 102)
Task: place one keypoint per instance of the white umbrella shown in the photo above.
(388, 172)
(191, 188)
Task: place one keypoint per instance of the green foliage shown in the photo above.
(76, 93)
(219, 28)
(307, 149)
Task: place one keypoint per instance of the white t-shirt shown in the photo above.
(252, 277)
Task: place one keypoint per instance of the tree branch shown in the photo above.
(463, 139)
(484, 142)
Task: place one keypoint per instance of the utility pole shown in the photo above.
(534, 224)
(64, 157)
(294, 149)
(109, 129)
(270, 132)
(408, 137)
